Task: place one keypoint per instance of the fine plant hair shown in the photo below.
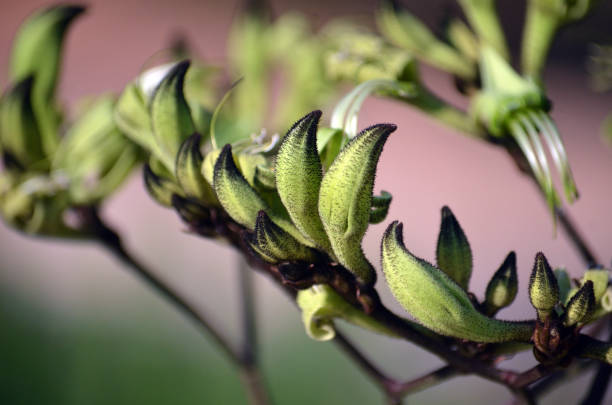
(296, 206)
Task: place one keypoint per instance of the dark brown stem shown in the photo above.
(426, 381)
(110, 239)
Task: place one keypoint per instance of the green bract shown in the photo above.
(436, 301)
(345, 198)
(298, 178)
(453, 253)
(320, 304)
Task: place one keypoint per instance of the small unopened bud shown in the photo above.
(503, 286)
(543, 287)
(581, 306)
(453, 253)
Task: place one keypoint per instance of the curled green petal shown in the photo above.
(345, 198)
(298, 178)
(170, 114)
(37, 52)
(275, 245)
(503, 286)
(320, 304)
(453, 253)
(189, 171)
(160, 188)
(436, 301)
(19, 132)
(543, 287)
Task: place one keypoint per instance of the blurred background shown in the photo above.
(78, 328)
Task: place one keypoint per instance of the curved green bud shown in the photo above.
(298, 178)
(19, 133)
(37, 52)
(320, 304)
(406, 31)
(380, 207)
(240, 200)
(581, 306)
(170, 114)
(436, 301)
(188, 173)
(345, 198)
(94, 155)
(160, 188)
(502, 287)
(453, 253)
(543, 287)
(132, 118)
(208, 165)
(276, 245)
(265, 178)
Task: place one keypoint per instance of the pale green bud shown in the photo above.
(543, 287)
(581, 306)
(320, 304)
(160, 188)
(188, 173)
(453, 253)
(503, 286)
(19, 133)
(170, 114)
(94, 155)
(298, 178)
(436, 301)
(37, 52)
(275, 245)
(345, 198)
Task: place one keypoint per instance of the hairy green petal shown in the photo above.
(170, 114)
(275, 245)
(298, 178)
(19, 132)
(543, 287)
(160, 188)
(503, 286)
(320, 304)
(37, 52)
(581, 306)
(453, 253)
(345, 198)
(189, 174)
(436, 301)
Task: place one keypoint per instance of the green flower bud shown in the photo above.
(275, 245)
(94, 155)
(241, 201)
(453, 253)
(132, 118)
(320, 304)
(406, 31)
(298, 178)
(345, 198)
(160, 188)
(19, 133)
(188, 173)
(503, 286)
(170, 114)
(581, 306)
(436, 301)
(543, 287)
(37, 50)
(380, 207)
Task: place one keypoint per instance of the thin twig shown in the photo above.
(249, 359)
(428, 380)
(110, 239)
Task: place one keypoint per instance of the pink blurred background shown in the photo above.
(424, 165)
